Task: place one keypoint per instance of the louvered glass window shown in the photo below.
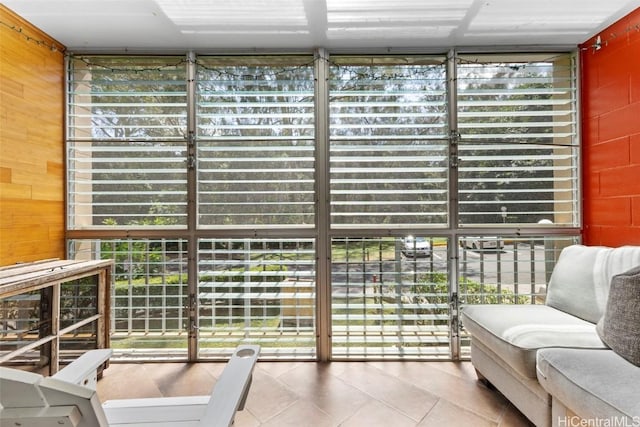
(255, 139)
(301, 238)
(388, 148)
(126, 142)
(259, 291)
(518, 150)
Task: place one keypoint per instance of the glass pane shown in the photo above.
(77, 341)
(390, 297)
(258, 291)
(34, 360)
(256, 142)
(149, 298)
(518, 156)
(24, 319)
(78, 300)
(388, 127)
(126, 147)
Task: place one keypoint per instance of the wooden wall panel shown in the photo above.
(31, 142)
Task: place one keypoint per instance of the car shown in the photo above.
(416, 247)
(480, 243)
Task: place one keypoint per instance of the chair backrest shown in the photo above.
(20, 389)
(29, 399)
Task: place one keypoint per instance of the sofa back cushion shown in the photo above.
(580, 281)
(619, 328)
(572, 288)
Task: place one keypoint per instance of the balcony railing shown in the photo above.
(387, 300)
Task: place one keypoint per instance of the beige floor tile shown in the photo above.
(349, 394)
(268, 396)
(184, 379)
(463, 370)
(214, 368)
(514, 418)
(301, 414)
(126, 382)
(246, 419)
(377, 414)
(445, 413)
(275, 369)
(468, 394)
(402, 395)
(313, 382)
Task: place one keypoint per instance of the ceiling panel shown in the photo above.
(545, 20)
(162, 25)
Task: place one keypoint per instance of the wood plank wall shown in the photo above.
(31, 142)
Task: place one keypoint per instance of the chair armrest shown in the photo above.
(84, 370)
(231, 389)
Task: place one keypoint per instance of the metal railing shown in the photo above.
(389, 298)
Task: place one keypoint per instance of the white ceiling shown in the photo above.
(163, 25)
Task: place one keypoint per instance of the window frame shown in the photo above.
(323, 230)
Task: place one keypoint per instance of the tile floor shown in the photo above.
(349, 394)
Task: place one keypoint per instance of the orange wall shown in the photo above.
(31, 142)
(610, 93)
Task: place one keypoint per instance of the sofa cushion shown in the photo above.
(619, 328)
(579, 284)
(571, 287)
(516, 332)
(595, 384)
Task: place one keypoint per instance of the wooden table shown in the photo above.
(47, 283)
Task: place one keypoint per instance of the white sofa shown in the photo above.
(506, 339)
(590, 384)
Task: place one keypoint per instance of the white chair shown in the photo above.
(69, 398)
